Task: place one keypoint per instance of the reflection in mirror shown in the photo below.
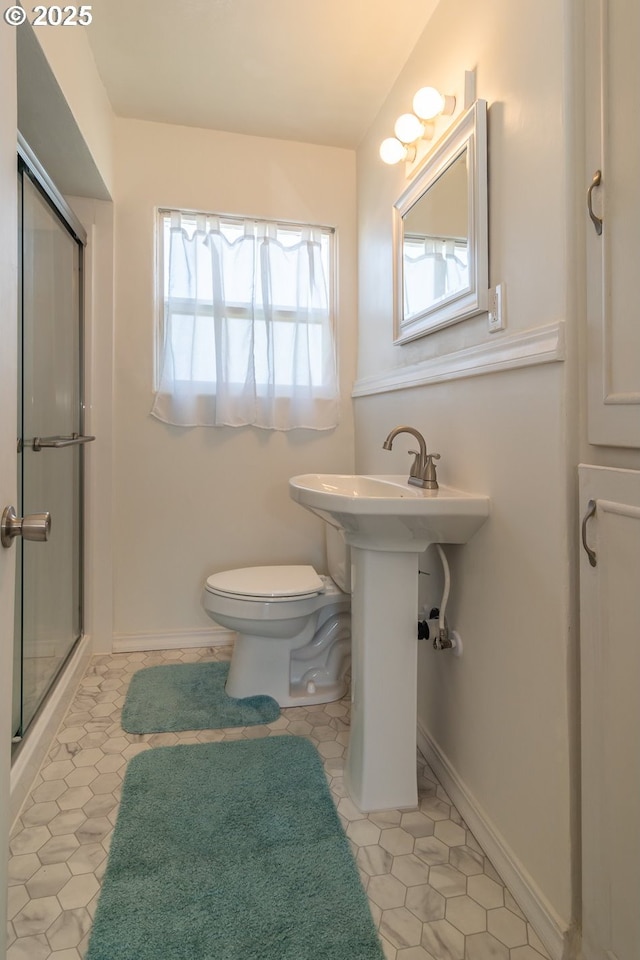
(440, 233)
(435, 261)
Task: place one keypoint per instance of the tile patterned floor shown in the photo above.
(433, 893)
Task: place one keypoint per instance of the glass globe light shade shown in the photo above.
(408, 128)
(392, 151)
(428, 103)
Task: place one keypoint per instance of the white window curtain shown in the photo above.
(247, 335)
(433, 268)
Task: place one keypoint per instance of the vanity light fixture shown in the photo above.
(392, 151)
(409, 128)
(429, 103)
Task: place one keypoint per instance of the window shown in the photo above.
(246, 333)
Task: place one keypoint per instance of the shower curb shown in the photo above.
(35, 746)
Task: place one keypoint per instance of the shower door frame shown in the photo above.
(31, 168)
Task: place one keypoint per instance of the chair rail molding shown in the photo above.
(544, 344)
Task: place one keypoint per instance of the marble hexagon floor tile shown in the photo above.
(433, 893)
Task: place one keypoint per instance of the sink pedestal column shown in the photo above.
(388, 523)
(381, 767)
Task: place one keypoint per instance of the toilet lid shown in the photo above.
(269, 582)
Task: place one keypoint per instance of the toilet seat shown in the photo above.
(275, 583)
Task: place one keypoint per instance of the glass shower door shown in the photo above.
(49, 581)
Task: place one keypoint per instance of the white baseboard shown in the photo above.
(137, 642)
(39, 736)
(547, 924)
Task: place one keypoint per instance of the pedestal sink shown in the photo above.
(387, 523)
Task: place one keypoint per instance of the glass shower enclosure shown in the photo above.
(49, 601)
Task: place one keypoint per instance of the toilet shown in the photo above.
(293, 627)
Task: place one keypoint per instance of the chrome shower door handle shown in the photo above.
(71, 441)
(35, 526)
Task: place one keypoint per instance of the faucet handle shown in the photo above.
(429, 476)
(417, 466)
(428, 457)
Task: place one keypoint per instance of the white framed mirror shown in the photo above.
(440, 233)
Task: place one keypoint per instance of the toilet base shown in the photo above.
(326, 694)
(323, 694)
(300, 671)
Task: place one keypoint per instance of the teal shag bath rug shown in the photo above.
(231, 851)
(189, 696)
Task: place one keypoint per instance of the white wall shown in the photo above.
(502, 715)
(70, 58)
(188, 502)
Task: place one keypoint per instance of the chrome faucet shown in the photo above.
(423, 469)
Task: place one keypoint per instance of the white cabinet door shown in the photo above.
(613, 277)
(610, 680)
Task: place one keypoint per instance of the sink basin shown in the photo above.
(388, 523)
(388, 513)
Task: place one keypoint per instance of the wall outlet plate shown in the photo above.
(496, 308)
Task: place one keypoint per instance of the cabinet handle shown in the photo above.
(597, 221)
(591, 509)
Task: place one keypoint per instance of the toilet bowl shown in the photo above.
(293, 627)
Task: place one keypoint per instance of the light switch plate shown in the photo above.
(497, 315)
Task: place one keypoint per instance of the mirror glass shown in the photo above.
(440, 233)
(435, 238)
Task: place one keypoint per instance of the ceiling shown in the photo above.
(316, 71)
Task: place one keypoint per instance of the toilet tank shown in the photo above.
(338, 557)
